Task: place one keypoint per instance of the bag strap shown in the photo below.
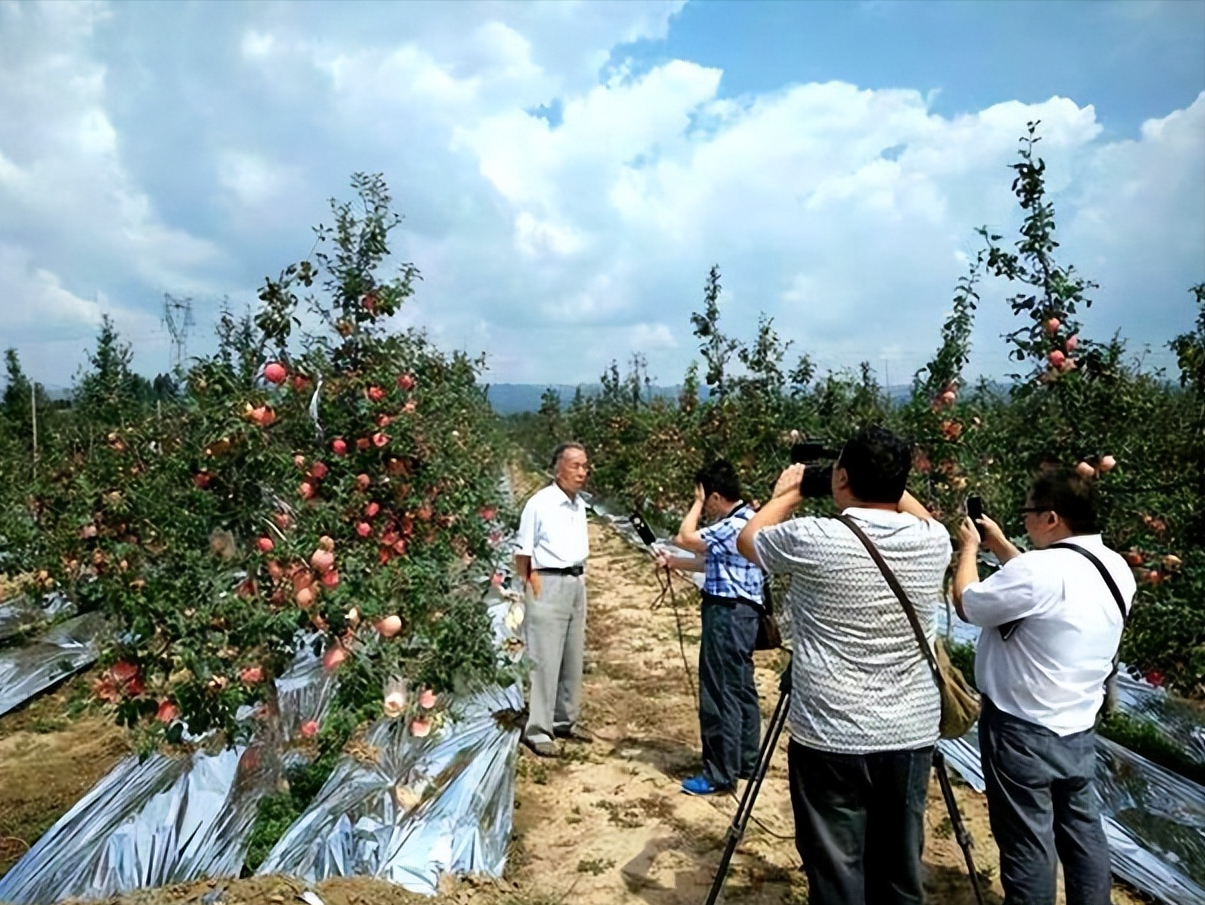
(899, 592)
(1104, 573)
(1106, 704)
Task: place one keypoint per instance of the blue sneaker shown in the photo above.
(701, 785)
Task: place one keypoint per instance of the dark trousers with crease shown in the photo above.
(729, 719)
(860, 824)
(1044, 809)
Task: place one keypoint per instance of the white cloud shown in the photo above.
(845, 213)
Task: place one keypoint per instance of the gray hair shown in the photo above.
(561, 449)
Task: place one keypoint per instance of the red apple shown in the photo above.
(168, 712)
(363, 481)
(318, 470)
(406, 382)
(363, 529)
(372, 509)
(306, 490)
(333, 657)
(389, 626)
(252, 675)
(265, 544)
(309, 728)
(1052, 325)
(375, 393)
(274, 372)
(1056, 358)
(339, 446)
(330, 579)
(379, 439)
(322, 560)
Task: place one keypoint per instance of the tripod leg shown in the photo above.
(745, 809)
(960, 830)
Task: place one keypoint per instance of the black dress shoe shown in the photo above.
(574, 734)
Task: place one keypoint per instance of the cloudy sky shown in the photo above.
(569, 171)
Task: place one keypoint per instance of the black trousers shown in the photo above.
(860, 824)
(729, 719)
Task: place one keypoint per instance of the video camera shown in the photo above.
(817, 461)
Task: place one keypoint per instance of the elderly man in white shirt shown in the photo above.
(1052, 621)
(551, 558)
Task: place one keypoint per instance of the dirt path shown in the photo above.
(605, 824)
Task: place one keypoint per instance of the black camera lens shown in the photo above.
(817, 481)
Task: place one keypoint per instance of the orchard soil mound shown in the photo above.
(604, 824)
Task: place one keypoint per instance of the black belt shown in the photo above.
(568, 570)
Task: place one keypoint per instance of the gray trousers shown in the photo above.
(1042, 804)
(554, 630)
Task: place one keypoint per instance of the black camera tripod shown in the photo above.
(769, 742)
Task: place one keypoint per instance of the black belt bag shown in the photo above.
(568, 570)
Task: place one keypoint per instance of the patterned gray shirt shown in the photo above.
(859, 682)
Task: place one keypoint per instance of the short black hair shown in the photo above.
(1070, 495)
(561, 449)
(877, 463)
(719, 477)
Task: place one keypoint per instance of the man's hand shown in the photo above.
(789, 480)
(534, 580)
(700, 495)
(994, 540)
(661, 560)
(968, 535)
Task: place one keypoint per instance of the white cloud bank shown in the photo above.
(555, 242)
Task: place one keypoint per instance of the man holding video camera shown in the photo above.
(864, 708)
(1052, 621)
(729, 720)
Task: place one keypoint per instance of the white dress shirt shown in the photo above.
(552, 530)
(1053, 668)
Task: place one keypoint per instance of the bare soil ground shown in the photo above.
(605, 824)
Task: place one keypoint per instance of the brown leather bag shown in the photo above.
(959, 701)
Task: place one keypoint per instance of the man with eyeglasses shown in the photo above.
(1052, 621)
(553, 544)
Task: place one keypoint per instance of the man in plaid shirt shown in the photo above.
(729, 719)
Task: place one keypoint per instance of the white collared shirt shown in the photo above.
(552, 530)
(1052, 670)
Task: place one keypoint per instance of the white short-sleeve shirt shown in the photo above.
(859, 680)
(553, 530)
(1052, 670)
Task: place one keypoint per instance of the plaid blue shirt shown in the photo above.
(726, 573)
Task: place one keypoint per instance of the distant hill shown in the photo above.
(512, 398)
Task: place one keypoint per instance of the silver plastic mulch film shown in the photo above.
(415, 808)
(1154, 819)
(61, 652)
(169, 818)
(21, 614)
